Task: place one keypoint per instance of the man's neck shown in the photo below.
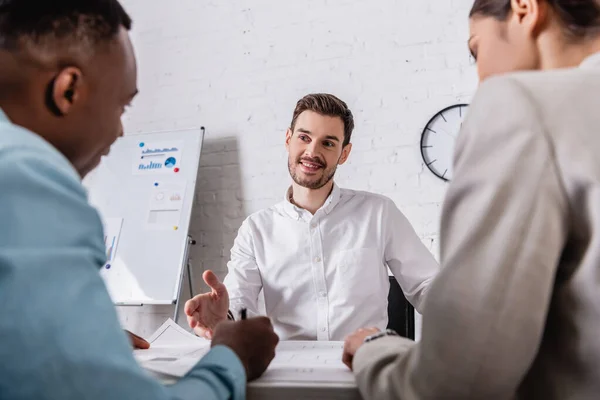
(310, 199)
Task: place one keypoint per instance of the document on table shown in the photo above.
(308, 361)
(174, 352)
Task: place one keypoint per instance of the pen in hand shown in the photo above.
(243, 312)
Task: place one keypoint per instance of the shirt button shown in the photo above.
(313, 225)
(317, 259)
(322, 294)
(323, 329)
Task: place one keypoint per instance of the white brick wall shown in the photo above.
(238, 67)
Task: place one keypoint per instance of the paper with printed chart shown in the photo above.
(112, 233)
(174, 352)
(152, 158)
(166, 203)
(308, 362)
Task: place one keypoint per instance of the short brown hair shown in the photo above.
(329, 105)
(580, 18)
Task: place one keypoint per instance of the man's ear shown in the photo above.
(64, 91)
(288, 137)
(345, 153)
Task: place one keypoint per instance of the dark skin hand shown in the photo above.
(137, 342)
(253, 340)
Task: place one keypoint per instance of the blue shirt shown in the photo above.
(60, 337)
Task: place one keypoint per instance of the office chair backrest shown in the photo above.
(401, 314)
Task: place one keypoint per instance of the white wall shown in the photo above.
(238, 68)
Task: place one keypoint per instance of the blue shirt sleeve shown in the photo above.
(60, 337)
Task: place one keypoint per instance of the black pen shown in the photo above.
(243, 311)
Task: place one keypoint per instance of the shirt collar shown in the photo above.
(332, 200)
(3, 117)
(591, 62)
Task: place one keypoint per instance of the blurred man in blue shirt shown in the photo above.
(67, 72)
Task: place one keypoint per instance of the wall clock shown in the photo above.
(437, 140)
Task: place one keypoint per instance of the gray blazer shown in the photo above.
(515, 310)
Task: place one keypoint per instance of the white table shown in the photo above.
(302, 391)
(290, 390)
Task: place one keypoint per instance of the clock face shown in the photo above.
(437, 140)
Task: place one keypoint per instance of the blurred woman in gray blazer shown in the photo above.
(515, 310)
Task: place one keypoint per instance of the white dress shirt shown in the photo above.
(326, 275)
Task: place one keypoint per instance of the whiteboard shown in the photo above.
(144, 192)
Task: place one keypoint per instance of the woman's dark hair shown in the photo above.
(579, 17)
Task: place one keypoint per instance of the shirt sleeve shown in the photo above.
(411, 263)
(243, 280)
(61, 338)
(504, 227)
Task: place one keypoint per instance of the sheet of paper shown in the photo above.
(308, 361)
(173, 350)
(150, 158)
(167, 196)
(166, 202)
(112, 233)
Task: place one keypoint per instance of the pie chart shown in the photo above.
(170, 162)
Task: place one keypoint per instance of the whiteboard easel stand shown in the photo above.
(186, 260)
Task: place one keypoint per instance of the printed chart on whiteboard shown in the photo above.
(166, 202)
(157, 158)
(112, 232)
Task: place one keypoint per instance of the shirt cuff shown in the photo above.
(218, 375)
(223, 356)
(380, 350)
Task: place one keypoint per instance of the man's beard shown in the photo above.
(311, 183)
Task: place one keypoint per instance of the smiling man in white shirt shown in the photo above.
(322, 255)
